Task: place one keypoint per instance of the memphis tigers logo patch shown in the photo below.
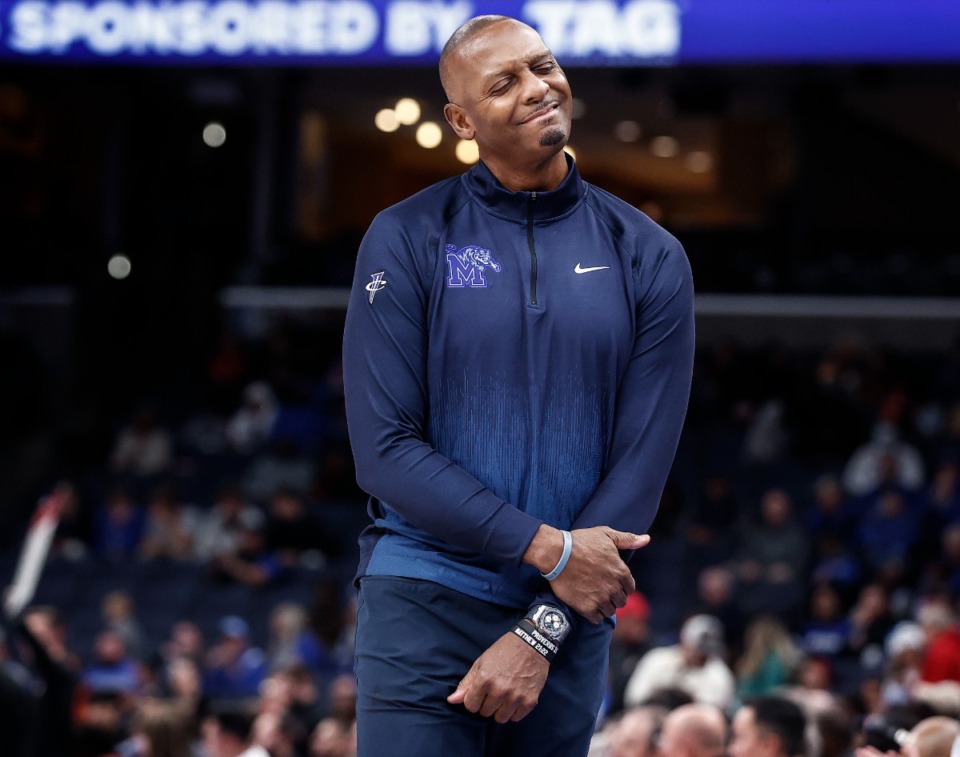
(466, 266)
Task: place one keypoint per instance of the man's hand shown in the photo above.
(596, 581)
(505, 682)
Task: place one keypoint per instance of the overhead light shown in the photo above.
(407, 110)
(467, 151)
(429, 134)
(386, 120)
(119, 267)
(664, 147)
(214, 135)
(627, 131)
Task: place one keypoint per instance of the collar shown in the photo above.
(515, 205)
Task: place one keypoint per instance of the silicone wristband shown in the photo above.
(529, 633)
(564, 557)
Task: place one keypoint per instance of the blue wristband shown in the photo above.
(564, 557)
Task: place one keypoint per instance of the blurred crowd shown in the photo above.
(807, 551)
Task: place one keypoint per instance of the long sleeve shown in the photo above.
(651, 401)
(385, 365)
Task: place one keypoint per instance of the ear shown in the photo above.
(458, 119)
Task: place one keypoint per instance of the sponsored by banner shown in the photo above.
(580, 32)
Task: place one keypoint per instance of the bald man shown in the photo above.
(517, 360)
(694, 730)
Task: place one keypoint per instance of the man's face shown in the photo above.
(747, 740)
(511, 95)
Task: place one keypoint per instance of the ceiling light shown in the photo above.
(429, 135)
(386, 120)
(467, 151)
(407, 110)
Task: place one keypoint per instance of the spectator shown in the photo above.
(169, 528)
(827, 629)
(870, 620)
(773, 558)
(252, 564)
(281, 466)
(251, 425)
(292, 534)
(903, 647)
(832, 513)
(235, 668)
(159, 729)
(768, 727)
(332, 738)
(119, 616)
(932, 737)
(694, 730)
(112, 669)
(226, 732)
(941, 659)
(186, 641)
(293, 642)
(887, 534)
(769, 658)
(636, 732)
(143, 448)
(885, 459)
(695, 664)
(118, 527)
(219, 530)
(717, 596)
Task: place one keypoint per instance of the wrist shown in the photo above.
(543, 629)
(545, 549)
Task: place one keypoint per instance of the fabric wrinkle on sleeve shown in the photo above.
(385, 386)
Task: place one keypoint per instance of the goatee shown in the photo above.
(552, 137)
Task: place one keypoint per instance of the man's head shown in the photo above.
(932, 737)
(694, 730)
(506, 91)
(635, 733)
(768, 727)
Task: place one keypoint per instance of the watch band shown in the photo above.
(528, 632)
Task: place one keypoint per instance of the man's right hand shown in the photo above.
(596, 581)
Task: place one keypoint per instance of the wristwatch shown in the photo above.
(550, 621)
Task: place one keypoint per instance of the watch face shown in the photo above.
(553, 624)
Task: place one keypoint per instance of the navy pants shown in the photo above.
(417, 639)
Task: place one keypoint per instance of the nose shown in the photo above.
(534, 87)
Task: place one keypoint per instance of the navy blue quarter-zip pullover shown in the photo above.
(511, 359)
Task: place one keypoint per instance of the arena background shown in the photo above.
(177, 227)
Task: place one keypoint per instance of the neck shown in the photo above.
(542, 176)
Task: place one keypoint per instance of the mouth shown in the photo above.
(544, 112)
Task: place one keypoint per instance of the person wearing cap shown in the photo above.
(695, 664)
(235, 668)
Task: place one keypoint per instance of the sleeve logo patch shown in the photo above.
(377, 282)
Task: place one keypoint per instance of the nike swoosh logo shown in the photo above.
(578, 269)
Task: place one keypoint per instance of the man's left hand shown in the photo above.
(505, 682)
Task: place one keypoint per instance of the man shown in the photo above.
(517, 361)
(695, 665)
(768, 727)
(635, 733)
(694, 730)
